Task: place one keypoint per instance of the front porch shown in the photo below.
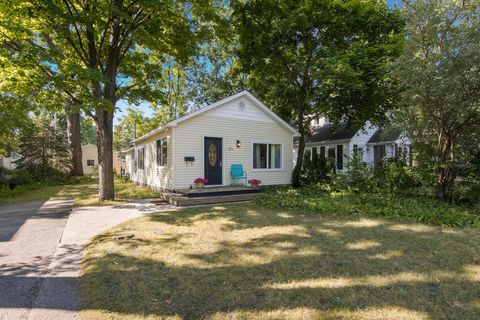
(211, 195)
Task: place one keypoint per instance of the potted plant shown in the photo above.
(254, 182)
(200, 182)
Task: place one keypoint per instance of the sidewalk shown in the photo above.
(59, 297)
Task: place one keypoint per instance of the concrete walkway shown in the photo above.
(57, 296)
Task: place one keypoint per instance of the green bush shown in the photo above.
(315, 169)
(418, 209)
(396, 176)
(467, 192)
(357, 177)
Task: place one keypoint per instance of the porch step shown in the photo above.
(181, 200)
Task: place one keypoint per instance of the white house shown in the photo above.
(205, 143)
(89, 158)
(8, 162)
(337, 142)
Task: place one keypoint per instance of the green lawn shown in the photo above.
(84, 193)
(248, 262)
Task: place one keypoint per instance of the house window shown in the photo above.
(355, 149)
(267, 156)
(90, 163)
(314, 151)
(162, 152)
(339, 157)
(322, 152)
(331, 156)
(141, 158)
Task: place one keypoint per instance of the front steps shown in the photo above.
(214, 195)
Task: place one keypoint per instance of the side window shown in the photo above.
(141, 158)
(90, 163)
(159, 152)
(162, 152)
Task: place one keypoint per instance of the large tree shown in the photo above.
(106, 50)
(43, 149)
(440, 76)
(326, 56)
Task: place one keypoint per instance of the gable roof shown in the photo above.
(330, 132)
(386, 135)
(195, 113)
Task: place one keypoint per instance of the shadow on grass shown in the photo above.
(246, 262)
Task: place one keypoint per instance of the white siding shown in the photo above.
(251, 125)
(249, 111)
(154, 176)
(89, 152)
(8, 163)
(361, 138)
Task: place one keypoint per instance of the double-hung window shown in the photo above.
(267, 156)
(141, 158)
(162, 152)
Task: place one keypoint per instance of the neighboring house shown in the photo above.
(89, 158)
(205, 143)
(8, 163)
(338, 142)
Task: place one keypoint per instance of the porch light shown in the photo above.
(238, 144)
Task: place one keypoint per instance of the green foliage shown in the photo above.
(396, 176)
(132, 125)
(319, 201)
(467, 192)
(358, 177)
(325, 56)
(315, 169)
(88, 131)
(438, 74)
(43, 153)
(305, 58)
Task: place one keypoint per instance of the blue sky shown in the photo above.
(122, 105)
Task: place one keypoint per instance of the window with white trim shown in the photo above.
(162, 152)
(267, 156)
(141, 158)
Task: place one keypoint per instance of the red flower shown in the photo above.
(200, 180)
(254, 181)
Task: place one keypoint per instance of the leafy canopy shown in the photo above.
(323, 56)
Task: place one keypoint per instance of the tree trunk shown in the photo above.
(301, 150)
(74, 142)
(446, 171)
(104, 122)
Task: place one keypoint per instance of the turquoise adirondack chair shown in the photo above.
(238, 173)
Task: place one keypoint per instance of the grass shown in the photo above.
(249, 262)
(84, 193)
(413, 209)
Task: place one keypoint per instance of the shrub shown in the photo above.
(467, 192)
(358, 176)
(396, 176)
(318, 200)
(315, 169)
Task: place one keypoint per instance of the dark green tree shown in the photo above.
(439, 74)
(98, 52)
(332, 57)
(43, 150)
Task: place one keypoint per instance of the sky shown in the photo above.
(122, 105)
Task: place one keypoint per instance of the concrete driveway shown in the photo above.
(41, 250)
